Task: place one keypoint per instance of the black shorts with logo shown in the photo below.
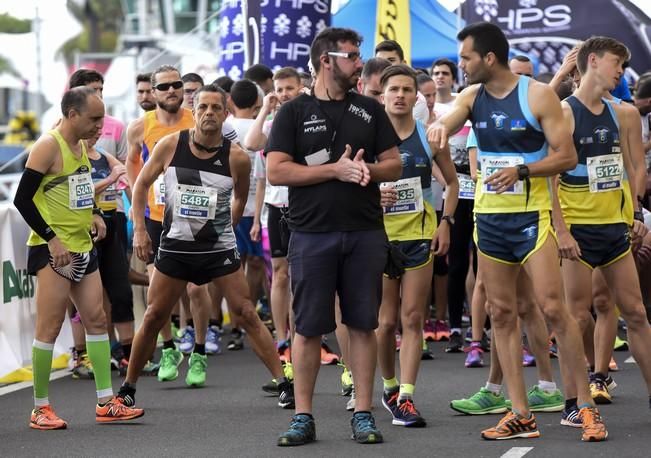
(38, 256)
(278, 231)
(601, 244)
(154, 230)
(200, 268)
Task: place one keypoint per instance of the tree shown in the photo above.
(10, 24)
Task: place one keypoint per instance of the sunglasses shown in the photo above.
(354, 56)
(166, 86)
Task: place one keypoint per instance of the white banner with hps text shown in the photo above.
(18, 305)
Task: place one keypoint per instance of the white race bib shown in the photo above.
(159, 190)
(410, 197)
(466, 186)
(81, 191)
(109, 194)
(492, 164)
(196, 202)
(605, 173)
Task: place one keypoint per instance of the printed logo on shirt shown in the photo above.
(531, 231)
(602, 134)
(360, 112)
(218, 163)
(586, 140)
(314, 125)
(498, 118)
(481, 125)
(518, 125)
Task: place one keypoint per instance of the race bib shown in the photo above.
(159, 190)
(466, 186)
(410, 197)
(81, 191)
(492, 164)
(109, 195)
(605, 173)
(195, 202)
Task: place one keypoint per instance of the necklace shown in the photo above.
(207, 149)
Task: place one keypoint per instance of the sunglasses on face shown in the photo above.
(166, 86)
(353, 56)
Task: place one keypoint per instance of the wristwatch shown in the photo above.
(449, 219)
(523, 171)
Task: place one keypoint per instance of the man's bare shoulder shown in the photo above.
(136, 128)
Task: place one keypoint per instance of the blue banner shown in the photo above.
(277, 33)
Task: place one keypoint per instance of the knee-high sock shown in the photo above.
(41, 367)
(99, 352)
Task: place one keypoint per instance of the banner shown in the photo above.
(548, 29)
(277, 33)
(18, 309)
(394, 23)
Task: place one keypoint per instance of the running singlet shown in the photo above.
(198, 201)
(594, 191)
(153, 132)
(413, 216)
(507, 135)
(100, 169)
(65, 200)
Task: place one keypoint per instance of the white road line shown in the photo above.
(22, 385)
(517, 452)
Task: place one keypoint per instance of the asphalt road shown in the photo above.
(232, 417)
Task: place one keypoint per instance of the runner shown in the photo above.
(56, 198)
(411, 227)
(202, 170)
(369, 82)
(522, 139)
(144, 92)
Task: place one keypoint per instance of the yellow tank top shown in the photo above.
(65, 200)
(153, 132)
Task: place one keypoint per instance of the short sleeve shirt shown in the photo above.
(315, 132)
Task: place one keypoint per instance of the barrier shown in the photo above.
(18, 309)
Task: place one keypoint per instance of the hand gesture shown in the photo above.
(503, 179)
(351, 171)
(60, 255)
(142, 245)
(97, 228)
(568, 248)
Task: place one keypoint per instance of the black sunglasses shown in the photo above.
(166, 86)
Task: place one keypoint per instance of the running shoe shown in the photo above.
(271, 387)
(594, 429)
(288, 370)
(620, 344)
(426, 354)
(542, 401)
(599, 390)
(528, 360)
(485, 341)
(284, 352)
(390, 401)
(481, 403)
(553, 349)
(610, 383)
(301, 431)
(150, 369)
(512, 426)
(612, 365)
(83, 368)
(455, 345)
(170, 360)
(127, 395)
(197, 370)
(237, 340)
(187, 341)
(405, 414)
(442, 331)
(213, 336)
(350, 405)
(474, 357)
(346, 381)
(176, 333)
(115, 410)
(43, 417)
(570, 417)
(286, 395)
(364, 429)
(429, 332)
(328, 357)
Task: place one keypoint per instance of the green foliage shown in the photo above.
(10, 24)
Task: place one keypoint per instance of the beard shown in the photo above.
(171, 107)
(147, 106)
(345, 82)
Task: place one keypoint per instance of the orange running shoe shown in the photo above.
(115, 410)
(612, 366)
(327, 355)
(594, 429)
(44, 418)
(512, 426)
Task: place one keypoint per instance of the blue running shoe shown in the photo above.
(187, 341)
(570, 417)
(301, 431)
(213, 336)
(364, 429)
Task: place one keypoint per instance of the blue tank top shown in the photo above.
(508, 134)
(594, 191)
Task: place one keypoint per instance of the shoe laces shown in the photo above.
(197, 362)
(591, 418)
(364, 422)
(45, 412)
(300, 424)
(474, 346)
(407, 406)
(167, 357)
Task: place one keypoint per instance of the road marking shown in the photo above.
(22, 385)
(517, 452)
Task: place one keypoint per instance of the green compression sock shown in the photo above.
(99, 352)
(41, 367)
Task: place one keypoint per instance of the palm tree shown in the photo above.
(10, 24)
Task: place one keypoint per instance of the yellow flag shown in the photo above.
(394, 23)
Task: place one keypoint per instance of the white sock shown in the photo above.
(493, 388)
(549, 387)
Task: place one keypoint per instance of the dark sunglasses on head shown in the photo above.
(166, 86)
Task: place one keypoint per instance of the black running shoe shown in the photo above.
(127, 395)
(455, 345)
(286, 396)
(301, 431)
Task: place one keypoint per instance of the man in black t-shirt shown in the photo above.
(332, 148)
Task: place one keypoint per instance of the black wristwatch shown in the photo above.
(638, 215)
(523, 171)
(98, 211)
(449, 219)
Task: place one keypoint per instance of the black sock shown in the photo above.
(191, 323)
(213, 322)
(199, 348)
(569, 403)
(127, 350)
(169, 344)
(176, 320)
(236, 332)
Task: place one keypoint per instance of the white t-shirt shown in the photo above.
(420, 111)
(457, 142)
(242, 126)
